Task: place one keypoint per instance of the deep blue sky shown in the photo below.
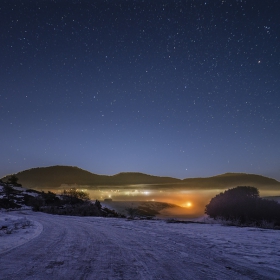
(173, 88)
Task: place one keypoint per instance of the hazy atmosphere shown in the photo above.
(169, 88)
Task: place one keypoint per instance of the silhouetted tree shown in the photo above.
(243, 204)
(75, 196)
(98, 204)
(36, 203)
(50, 198)
(8, 190)
(13, 180)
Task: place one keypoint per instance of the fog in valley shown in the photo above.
(191, 203)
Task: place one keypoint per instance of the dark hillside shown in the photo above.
(129, 178)
(229, 180)
(54, 176)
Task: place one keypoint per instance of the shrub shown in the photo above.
(7, 204)
(13, 180)
(50, 198)
(85, 209)
(36, 203)
(74, 196)
(98, 204)
(8, 191)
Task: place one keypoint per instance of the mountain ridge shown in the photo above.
(55, 176)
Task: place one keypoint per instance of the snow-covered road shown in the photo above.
(108, 248)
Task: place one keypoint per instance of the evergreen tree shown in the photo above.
(13, 180)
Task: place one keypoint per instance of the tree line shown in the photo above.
(244, 205)
(73, 201)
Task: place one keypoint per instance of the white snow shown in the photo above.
(109, 248)
(16, 230)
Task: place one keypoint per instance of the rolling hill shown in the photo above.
(230, 180)
(54, 176)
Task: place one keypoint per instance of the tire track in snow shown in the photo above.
(100, 248)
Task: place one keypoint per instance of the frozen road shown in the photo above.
(100, 248)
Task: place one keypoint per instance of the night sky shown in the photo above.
(170, 88)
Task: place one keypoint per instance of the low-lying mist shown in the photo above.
(191, 203)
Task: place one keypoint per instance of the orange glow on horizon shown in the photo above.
(187, 204)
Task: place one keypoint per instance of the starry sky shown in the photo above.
(171, 88)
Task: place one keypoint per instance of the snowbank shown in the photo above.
(15, 231)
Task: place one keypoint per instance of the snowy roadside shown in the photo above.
(72, 247)
(16, 230)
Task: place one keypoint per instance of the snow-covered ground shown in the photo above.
(109, 248)
(16, 230)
